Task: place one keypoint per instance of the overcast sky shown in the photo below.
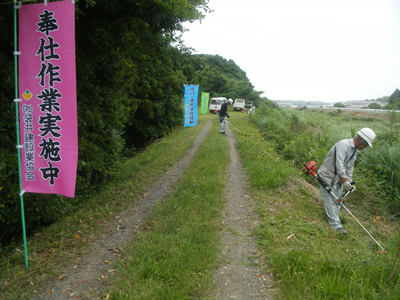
(306, 50)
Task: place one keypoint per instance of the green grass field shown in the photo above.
(176, 259)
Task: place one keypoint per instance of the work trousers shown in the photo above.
(332, 207)
(222, 124)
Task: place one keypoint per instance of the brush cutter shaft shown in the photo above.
(376, 242)
(339, 202)
(233, 126)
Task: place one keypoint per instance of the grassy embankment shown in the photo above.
(308, 259)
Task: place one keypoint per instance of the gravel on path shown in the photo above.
(240, 276)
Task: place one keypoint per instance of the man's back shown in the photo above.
(222, 111)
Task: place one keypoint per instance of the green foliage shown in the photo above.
(292, 136)
(220, 77)
(394, 119)
(335, 112)
(151, 116)
(262, 164)
(382, 165)
(9, 212)
(383, 99)
(339, 104)
(301, 137)
(129, 92)
(315, 277)
(394, 100)
(374, 106)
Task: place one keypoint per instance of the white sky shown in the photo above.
(306, 50)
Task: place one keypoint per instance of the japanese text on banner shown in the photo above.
(191, 93)
(47, 84)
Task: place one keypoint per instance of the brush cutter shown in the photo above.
(233, 126)
(310, 168)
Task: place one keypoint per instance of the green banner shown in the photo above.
(204, 103)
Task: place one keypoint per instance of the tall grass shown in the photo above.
(382, 165)
(300, 136)
(307, 259)
(265, 168)
(315, 277)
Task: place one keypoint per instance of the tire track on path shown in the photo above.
(87, 276)
(240, 276)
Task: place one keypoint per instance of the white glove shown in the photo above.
(348, 187)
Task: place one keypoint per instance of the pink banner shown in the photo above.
(47, 88)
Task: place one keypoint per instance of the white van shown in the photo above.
(215, 104)
(239, 105)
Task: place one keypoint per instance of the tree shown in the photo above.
(339, 104)
(375, 106)
(128, 87)
(394, 100)
(220, 77)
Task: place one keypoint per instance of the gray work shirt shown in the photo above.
(344, 155)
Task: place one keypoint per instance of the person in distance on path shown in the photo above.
(337, 172)
(223, 112)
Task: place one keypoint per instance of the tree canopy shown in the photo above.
(220, 77)
(339, 104)
(131, 67)
(394, 101)
(128, 94)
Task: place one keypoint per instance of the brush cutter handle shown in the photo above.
(346, 193)
(348, 186)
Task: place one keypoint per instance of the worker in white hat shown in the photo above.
(337, 172)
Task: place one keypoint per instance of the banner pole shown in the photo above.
(16, 100)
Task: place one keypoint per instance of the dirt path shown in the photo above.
(240, 277)
(88, 275)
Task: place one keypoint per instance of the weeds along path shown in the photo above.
(92, 273)
(240, 276)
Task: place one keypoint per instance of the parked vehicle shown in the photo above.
(248, 105)
(215, 104)
(239, 105)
